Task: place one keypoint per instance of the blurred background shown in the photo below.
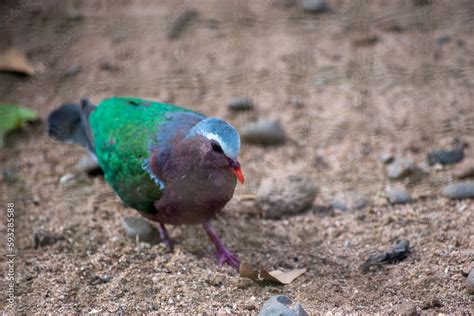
(371, 102)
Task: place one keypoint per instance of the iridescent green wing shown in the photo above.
(123, 130)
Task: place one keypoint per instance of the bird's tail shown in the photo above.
(70, 123)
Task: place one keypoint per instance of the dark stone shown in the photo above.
(446, 156)
(240, 104)
(43, 238)
(313, 6)
(398, 252)
(181, 23)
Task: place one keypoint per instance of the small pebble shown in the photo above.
(138, 226)
(73, 70)
(443, 39)
(351, 200)
(406, 309)
(470, 282)
(278, 197)
(98, 279)
(386, 158)
(446, 156)
(263, 132)
(240, 104)
(313, 6)
(108, 66)
(399, 196)
(432, 302)
(9, 176)
(459, 190)
(43, 238)
(339, 205)
(88, 164)
(67, 178)
(283, 306)
(400, 168)
(181, 23)
(296, 102)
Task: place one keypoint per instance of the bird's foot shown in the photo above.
(165, 238)
(225, 256)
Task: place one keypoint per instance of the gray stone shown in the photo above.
(139, 226)
(313, 6)
(406, 309)
(240, 104)
(339, 205)
(459, 190)
(278, 197)
(350, 200)
(68, 177)
(88, 164)
(386, 158)
(399, 196)
(443, 39)
(263, 132)
(470, 282)
(283, 306)
(446, 156)
(73, 70)
(400, 168)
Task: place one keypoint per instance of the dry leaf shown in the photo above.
(14, 60)
(282, 277)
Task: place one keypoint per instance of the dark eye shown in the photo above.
(216, 147)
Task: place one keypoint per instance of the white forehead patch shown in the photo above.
(220, 131)
(225, 148)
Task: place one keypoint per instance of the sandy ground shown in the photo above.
(374, 77)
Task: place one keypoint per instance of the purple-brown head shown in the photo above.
(224, 140)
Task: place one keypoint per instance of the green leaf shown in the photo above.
(13, 117)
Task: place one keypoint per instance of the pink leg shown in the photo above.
(223, 254)
(165, 238)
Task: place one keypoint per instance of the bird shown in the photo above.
(173, 165)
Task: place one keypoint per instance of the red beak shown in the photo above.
(238, 174)
(235, 165)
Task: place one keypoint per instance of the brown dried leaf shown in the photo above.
(277, 276)
(14, 60)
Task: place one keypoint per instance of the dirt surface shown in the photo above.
(374, 77)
